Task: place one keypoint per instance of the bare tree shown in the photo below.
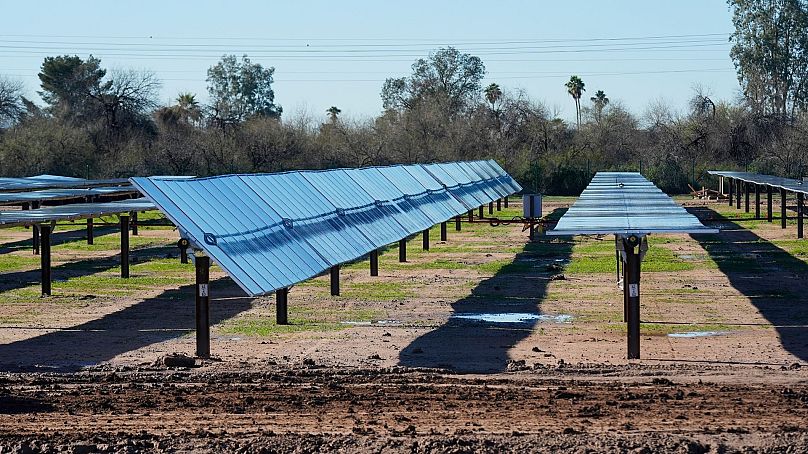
(11, 102)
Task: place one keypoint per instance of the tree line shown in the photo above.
(99, 123)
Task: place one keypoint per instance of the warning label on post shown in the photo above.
(203, 289)
(633, 290)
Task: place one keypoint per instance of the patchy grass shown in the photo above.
(18, 262)
(300, 319)
(599, 257)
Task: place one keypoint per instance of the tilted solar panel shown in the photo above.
(625, 203)
(271, 231)
(788, 184)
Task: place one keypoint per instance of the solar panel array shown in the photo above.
(54, 181)
(45, 195)
(270, 231)
(72, 212)
(755, 178)
(625, 203)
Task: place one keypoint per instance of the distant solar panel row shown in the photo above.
(271, 231)
(755, 178)
(625, 203)
(45, 195)
(53, 182)
(72, 212)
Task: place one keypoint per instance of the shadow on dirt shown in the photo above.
(499, 313)
(167, 316)
(61, 236)
(773, 280)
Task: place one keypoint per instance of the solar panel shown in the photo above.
(53, 182)
(788, 184)
(72, 212)
(271, 231)
(13, 198)
(625, 203)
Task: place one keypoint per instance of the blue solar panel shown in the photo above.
(270, 231)
(755, 178)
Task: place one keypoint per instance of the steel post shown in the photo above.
(45, 258)
(281, 311)
(491, 207)
(769, 211)
(480, 213)
(757, 201)
(89, 230)
(457, 223)
(334, 272)
(202, 263)
(800, 197)
(506, 202)
(730, 184)
(402, 250)
(444, 235)
(631, 290)
(499, 204)
(425, 236)
(374, 262)
(783, 217)
(471, 215)
(738, 191)
(124, 246)
(746, 197)
(134, 223)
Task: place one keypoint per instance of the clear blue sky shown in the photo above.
(339, 53)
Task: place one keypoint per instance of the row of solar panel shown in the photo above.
(270, 231)
(625, 203)
(54, 181)
(769, 180)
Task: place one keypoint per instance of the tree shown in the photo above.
(600, 101)
(575, 88)
(333, 112)
(770, 52)
(493, 94)
(129, 95)
(71, 86)
(241, 90)
(186, 112)
(11, 101)
(448, 78)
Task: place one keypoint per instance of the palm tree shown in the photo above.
(333, 111)
(492, 94)
(600, 101)
(188, 107)
(575, 88)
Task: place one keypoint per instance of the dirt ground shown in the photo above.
(485, 343)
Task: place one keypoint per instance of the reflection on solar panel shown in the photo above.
(72, 212)
(53, 182)
(270, 231)
(788, 184)
(14, 198)
(626, 203)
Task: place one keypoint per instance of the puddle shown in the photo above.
(512, 317)
(372, 323)
(692, 334)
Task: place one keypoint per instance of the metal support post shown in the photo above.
(730, 184)
(506, 202)
(89, 230)
(402, 250)
(124, 246)
(457, 223)
(783, 217)
(499, 204)
(491, 207)
(757, 201)
(425, 236)
(45, 258)
(281, 311)
(800, 197)
(480, 212)
(471, 215)
(769, 213)
(183, 244)
(631, 292)
(444, 235)
(35, 229)
(202, 263)
(334, 271)
(134, 223)
(746, 197)
(374, 262)
(738, 194)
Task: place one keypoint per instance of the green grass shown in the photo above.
(300, 319)
(18, 262)
(599, 257)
